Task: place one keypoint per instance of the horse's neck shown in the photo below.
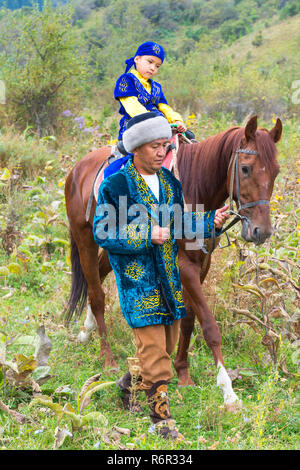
(205, 181)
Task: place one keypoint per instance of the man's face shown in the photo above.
(148, 158)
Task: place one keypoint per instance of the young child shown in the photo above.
(138, 93)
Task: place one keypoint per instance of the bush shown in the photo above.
(40, 64)
(290, 9)
(258, 40)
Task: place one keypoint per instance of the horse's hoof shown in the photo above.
(111, 364)
(83, 337)
(234, 407)
(112, 370)
(184, 379)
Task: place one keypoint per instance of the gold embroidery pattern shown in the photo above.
(134, 271)
(150, 301)
(139, 86)
(155, 92)
(167, 247)
(156, 49)
(134, 237)
(151, 314)
(142, 186)
(123, 85)
(167, 187)
(142, 99)
(178, 296)
(200, 216)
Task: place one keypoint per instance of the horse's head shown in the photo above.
(251, 177)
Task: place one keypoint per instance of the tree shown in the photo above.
(40, 64)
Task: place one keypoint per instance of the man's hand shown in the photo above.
(180, 126)
(160, 235)
(221, 216)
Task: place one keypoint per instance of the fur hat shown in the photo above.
(145, 128)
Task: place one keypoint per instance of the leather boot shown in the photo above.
(160, 415)
(128, 393)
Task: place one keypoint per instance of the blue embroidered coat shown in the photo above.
(129, 85)
(147, 275)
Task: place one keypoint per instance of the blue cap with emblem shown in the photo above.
(147, 48)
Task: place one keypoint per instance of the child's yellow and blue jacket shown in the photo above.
(147, 275)
(137, 95)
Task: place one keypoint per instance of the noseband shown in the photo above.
(234, 163)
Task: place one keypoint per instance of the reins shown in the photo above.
(234, 164)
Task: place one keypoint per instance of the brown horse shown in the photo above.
(240, 162)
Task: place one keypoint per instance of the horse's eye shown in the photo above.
(246, 170)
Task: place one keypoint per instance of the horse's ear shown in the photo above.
(276, 132)
(251, 128)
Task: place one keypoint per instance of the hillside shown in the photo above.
(234, 40)
(243, 77)
(230, 57)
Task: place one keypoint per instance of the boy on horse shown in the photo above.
(145, 259)
(138, 93)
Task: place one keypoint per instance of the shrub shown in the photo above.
(39, 66)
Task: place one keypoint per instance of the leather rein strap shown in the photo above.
(234, 164)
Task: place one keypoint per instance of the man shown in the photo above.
(143, 253)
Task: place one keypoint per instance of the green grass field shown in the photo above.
(34, 287)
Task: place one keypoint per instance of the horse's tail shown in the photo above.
(79, 289)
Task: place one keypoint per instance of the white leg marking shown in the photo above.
(224, 381)
(90, 325)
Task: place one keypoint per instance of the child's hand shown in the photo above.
(180, 126)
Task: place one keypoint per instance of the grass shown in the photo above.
(39, 294)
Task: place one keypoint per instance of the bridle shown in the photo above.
(234, 164)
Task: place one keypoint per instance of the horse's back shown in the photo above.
(80, 180)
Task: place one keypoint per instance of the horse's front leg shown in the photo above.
(190, 278)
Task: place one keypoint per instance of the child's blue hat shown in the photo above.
(147, 48)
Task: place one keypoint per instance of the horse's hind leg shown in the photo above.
(89, 326)
(88, 252)
(181, 361)
(90, 323)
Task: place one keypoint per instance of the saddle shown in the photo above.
(170, 162)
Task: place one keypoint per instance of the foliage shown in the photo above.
(258, 40)
(215, 76)
(243, 281)
(290, 9)
(78, 420)
(39, 66)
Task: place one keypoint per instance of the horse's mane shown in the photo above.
(203, 166)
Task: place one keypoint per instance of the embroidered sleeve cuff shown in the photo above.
(198, 224)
